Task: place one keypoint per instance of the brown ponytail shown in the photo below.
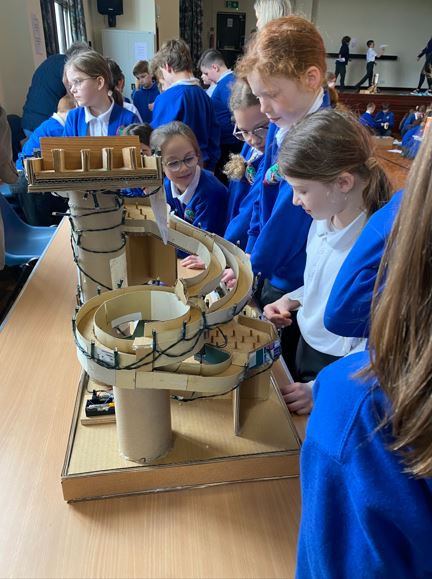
(327, 143)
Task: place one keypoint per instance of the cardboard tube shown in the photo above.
(143, 423)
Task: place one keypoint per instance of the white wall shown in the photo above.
(19, 53)
(405, 26)
(137, 15)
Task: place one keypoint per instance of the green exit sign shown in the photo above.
(231, 4)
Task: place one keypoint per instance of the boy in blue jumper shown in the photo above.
(366, 463)
(367, 119)
(184, 100)
(385, 120)
(214, 69)
(146, 92)
(38, 208)
(194, 194)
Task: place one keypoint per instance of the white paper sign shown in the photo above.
(140, 51)
(37, 35)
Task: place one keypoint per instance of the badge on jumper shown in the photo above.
(272, 175)
(189, 215)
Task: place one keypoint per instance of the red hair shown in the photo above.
(286, 47)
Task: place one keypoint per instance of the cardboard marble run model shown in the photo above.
(147, 340)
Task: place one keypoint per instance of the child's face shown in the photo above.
(320, 200)
(210, 73)
(144, 80)
(179, 148)
(86, 90)
(284, 101)
(252, 119)
(145, 150)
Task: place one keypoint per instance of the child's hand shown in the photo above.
(279, 312)
(151, 106)
(193, 262)
(298, 397)
(229, 278)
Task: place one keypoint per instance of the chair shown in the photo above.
(22, 242)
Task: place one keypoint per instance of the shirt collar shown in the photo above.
(185, 197)
(59, 118)
(340, 237)
(103, 117)
(189, 81)
(226, 73)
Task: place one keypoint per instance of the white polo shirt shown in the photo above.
(371, 55)
(326, 251)
(98, 126)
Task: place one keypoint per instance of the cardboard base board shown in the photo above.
(205, 449)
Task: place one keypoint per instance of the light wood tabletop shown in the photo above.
(239, 530)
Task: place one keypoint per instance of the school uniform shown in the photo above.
(326, 251)
(381, 119)
(187, 102)
(203, 204)
(241, 197)
(347, 312)
(131, 107)
(142, 98)
(278, 230)
(81, 123)
(368, 120)
(362, 515)
(411, 141)
(407, 122)
(341, 64)
(370, 63)
(39, 207)
(52, 127)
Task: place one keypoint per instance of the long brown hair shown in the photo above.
(401, 330)
(324, 145)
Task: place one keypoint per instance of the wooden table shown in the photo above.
(241, 530)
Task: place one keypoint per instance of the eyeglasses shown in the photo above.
(190, 161)
(259, 133)
(78, 82)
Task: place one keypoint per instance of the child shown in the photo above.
(38, 207)
(193, 193)
(98, 114)
(184, 100)
(243, 170)
(214, 69)
(340, 189)
(285, 65)
(367, 119)
(143, 131)
(371, 57)
(385, 120)
(118, 83)
(146, 92)
(366, 463)
(342, 61)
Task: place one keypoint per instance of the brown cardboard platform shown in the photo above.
(205, 449)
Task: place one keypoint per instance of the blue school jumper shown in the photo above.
(362, 516)
(367, 120)
(382, 117)
(77, 127)
(220, 99)
(407, 122)
(411, 144)
(241, 197)
(279, 229)
(142, 98)
(190, 104)
(348, 307)
(207, 208)
(49, 128)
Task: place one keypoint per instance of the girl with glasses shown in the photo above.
(193, 193)
(90, 83)
(243, 170)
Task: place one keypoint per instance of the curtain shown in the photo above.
(77, 19)
(191, 17)
(49, 26)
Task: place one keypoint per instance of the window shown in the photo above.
(63, 22)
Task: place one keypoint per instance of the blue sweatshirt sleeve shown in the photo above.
(209, 203)
(348, 307)
(362, 516)
(166, 110)
(255, 222)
